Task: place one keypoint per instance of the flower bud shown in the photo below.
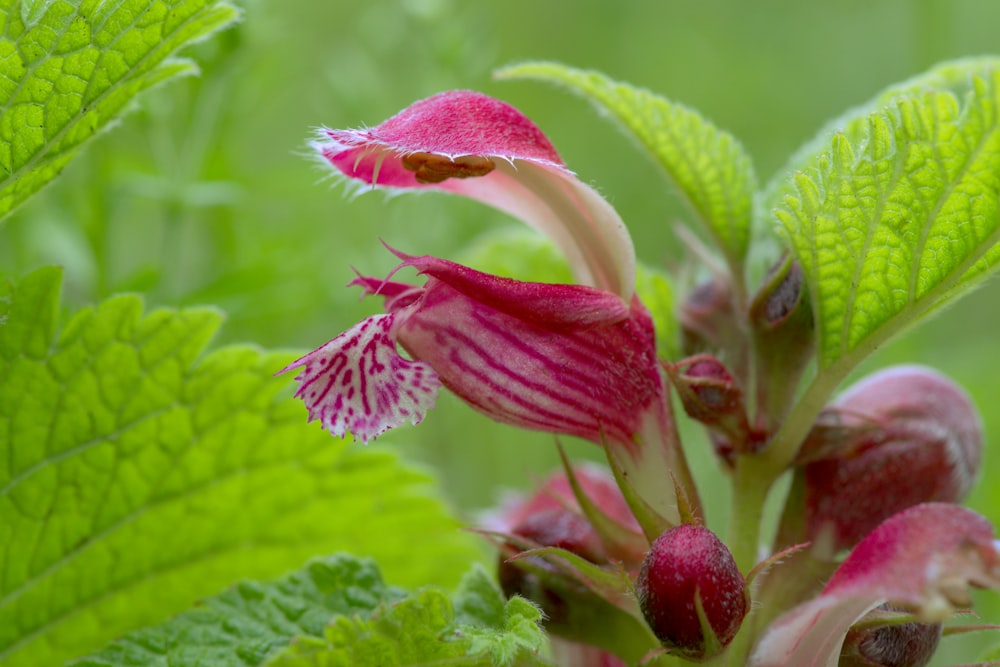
(711, 396)
(893, 645)
(708, 322)
(552, 517)
(684, 564)
(898, 438)
(783, 337)
(557, 527)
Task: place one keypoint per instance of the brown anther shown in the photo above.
(432, 168)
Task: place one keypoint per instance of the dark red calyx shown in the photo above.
(901, 437)
(683, 563)
(894, 645)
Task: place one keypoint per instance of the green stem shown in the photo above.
(752, 481)
(784, 446)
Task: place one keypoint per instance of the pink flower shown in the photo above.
(921, 560)
(571, 359)
(897, 438)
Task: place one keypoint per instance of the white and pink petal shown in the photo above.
(359, 383)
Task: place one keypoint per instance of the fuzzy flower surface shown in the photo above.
(577, 359)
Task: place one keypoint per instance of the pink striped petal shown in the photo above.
(470, 144)
(582, 370)
(359, 383)
(921, 559)
(550, 305)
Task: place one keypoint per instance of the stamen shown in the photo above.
(433, 168)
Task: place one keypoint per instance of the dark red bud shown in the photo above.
(682, 563)
(556, 527)
(714, 387)
(902, 645)
(904, 436)
(711, 395)
(707, 319)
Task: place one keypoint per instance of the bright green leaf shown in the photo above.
(69, 67)
(253, 621)
(709, 166)
(900, 216)
(953, 76)
(477, 629)
(138, 474)
(339, 611)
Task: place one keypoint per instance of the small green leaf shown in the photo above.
(709, 166)
(898, 216)
(70, 67)
(138, 474)
(253, 621)
(426, 629)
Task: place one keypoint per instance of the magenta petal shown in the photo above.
(465, 122)
(559, 358)
(555, 306)
(470, 144)
(359, 383)
(452, 124)
(921, 559)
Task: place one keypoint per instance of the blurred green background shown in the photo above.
(206, 195)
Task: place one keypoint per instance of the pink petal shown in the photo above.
(595, 380)
(471, 144)
(359, 383)
(556, 306)
(556, 492)
(921, 559)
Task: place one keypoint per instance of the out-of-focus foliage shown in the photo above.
(138, 475)
(70, 68)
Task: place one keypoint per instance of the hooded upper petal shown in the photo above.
(471, 144)
(921, 560)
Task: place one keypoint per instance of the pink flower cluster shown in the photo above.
(622, 565)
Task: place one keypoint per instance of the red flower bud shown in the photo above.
(683, 563)
(892, 645)
(711, 395)
(901, 437)
(556, 527)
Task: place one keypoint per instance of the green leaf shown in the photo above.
(899, 216)
(709, 166)
(477, 628)
(339, 611)
(138, 474)
(253, 621)
(68, 68)
(953, 76)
